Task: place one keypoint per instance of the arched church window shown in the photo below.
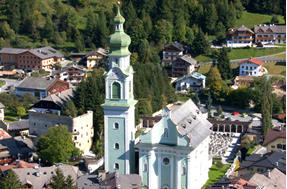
(165, 186)
(117, 146)
(116, 166)
(116, 125)
(145, 167)
(116, 90)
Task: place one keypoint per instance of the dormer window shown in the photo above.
(189, 121)
(183, 125)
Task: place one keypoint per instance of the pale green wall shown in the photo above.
(116, 156)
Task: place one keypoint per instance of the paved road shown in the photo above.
(9, 82)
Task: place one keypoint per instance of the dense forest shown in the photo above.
(76, 25)
(81, 25)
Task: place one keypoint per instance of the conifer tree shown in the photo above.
(10, 181)
(200, 44)
(266, 105)
(224, 64)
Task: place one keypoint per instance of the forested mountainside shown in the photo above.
(75, 25)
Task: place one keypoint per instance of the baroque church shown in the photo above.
(173, 154)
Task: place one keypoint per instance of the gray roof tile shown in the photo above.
(36, 83)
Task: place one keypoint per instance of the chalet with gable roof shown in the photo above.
(94, 58)
(274, 34)
(171, 52)
(258, 163)
(252, 67)
(194, 81)
(275, 139)
(239, 37)
(73, 74)
(40, 87)
(30, 59)
(183, 65)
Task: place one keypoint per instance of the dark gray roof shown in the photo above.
(175, 45)
(98, 51)
(88, 182)
(274, 28)
(116, 179)
(43, 52)
(12, 50)
(112, 180)
(244, 28)
(36, 83)
(191, 122)
(16, 147)
(18, 125)
(46, 52)
(270, 160)
(60, 98)
(38, 177)
(187, 58)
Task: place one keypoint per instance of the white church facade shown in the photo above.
(174, 153)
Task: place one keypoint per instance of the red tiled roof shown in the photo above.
(253, 61)
(4, 134)
(19, 164)
(273, 134)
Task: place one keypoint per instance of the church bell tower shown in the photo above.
(119, 106)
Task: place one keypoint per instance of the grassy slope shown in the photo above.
(216, 172)
(250, 19)
(240, 53)
(272, 67)
(253, 52)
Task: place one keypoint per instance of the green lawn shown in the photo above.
(275, 68)
(250, 19)
(2, 83)
(203, 58)
(215, 173)
(204, 68)
(281, 56)
(252, 52)
(272, 67)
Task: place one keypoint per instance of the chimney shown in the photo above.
(268, 173)
(277, 164)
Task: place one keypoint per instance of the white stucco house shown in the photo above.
(252, 67)
(194, 81)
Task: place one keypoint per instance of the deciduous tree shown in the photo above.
(57, 145)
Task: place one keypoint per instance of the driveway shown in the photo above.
(9, 82)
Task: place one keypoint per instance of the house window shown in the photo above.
(279, 146)
(116, 166)
(165, 161)
(116, 146)
(116, 125)
(116, 89)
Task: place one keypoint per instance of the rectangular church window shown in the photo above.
(145, 168)
(183, 171)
